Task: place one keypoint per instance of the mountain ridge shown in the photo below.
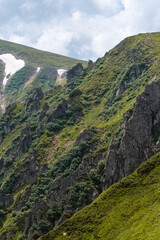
(12, 46)
(62, 148)
(19, 83)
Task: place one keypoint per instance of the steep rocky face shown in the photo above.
(134, 72)
(141, 132)
(33, 104)
(55, 145)
(59, 191)
(39, 211)
(5, 200)
(74, 71)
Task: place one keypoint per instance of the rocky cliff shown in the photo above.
(140, 138)
(60, 149)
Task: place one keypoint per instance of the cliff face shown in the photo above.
(141, 132)
(125, 209)
(60, 149)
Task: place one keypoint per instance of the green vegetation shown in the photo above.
(27, 78)
(37, 57)
(127, 210)
(53, 146)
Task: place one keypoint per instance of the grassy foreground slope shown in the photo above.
(129, 209)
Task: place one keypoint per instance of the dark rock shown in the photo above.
(7, 128)
(59, 111)
(24, 140)
(27, 175)
(135, 72)
(22, 200)
(86, 135)
(45, 107)
(5, 200)
(137, 143)
(74, 71)
(68, 212)
(43, 113)
(59, 187)
(38, 212)
(33, 104)
(1, 163)
(90, 64)
(30, 175)
(132, 74)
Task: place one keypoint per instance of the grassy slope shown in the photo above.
(105, 78)
(16, 89)
(107, 74)
(38, 57)
(115, 67)
(129, 209)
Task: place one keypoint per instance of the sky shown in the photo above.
(82, 29)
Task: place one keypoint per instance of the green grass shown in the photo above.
(37, 57)
(16, 89)
(122, 211)
(129, 209)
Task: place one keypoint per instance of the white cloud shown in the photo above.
(19, 39)
(90, 36)
(28, 6)
(112, 6)
(82, 29)
(55, 39)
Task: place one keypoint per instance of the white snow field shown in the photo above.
(61, 71)
(38, 69)
(12, 65)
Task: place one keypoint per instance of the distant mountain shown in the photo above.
(64, 148)
(39, 69)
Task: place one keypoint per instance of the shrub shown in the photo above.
(55, 212)
(96, 178)
(53, 127)
(100, 166)
(22, 237)
(2, 214)
(75, 93)
(33, 229)
(79, 195)
(44, 226)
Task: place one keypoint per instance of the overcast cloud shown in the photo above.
(76, 28)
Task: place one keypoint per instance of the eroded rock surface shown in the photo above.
(140, 128)
(74, 71)
(5, 200)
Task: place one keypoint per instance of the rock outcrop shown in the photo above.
(140, 128)
(74, 71)
(38, 212)
(5, 200)
(33, 104)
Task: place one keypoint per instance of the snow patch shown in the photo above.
(38, 69)
(3, 108)
(12, 65)
(61, 71)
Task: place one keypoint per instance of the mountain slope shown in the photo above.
(40, 70)
(62, 148)
(129, 209)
